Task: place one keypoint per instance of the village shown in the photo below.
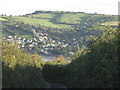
(42, 41)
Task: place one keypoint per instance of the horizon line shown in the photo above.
(60, 11)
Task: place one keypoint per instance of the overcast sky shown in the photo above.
(21, 7)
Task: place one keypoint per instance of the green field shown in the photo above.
(44, 22)
(53, 20)
(42, 15)
(62, 20)
(111, 23)
(71, 18)
(2, 19)
(59, 20)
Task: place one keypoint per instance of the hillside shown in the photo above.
(90, 41)
(92, 67)
(65, 30)
(63, 20)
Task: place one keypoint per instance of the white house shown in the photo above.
(31, 45)
(70, 52)
(22, 46)
(53, 45)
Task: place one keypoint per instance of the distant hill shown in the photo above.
(60, 19)
(71, 27)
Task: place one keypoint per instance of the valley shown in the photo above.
(60, 49)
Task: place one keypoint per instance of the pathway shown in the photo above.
(55, 85)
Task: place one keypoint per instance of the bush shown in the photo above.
(20, 69)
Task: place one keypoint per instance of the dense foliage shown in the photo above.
(20, 69)
(96, 66)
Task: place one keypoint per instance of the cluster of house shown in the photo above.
(22, 41)
(42, 41)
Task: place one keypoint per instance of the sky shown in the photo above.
(22, 7)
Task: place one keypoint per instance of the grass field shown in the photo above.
(44, 22)
(42, 15)
(2, 19)
(71, 18)
(115, 18)
(64, 20)
(111, 23)
(49, 19)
